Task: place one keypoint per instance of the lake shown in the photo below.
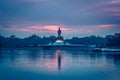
(70, 64)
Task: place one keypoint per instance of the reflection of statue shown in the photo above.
(59, 59)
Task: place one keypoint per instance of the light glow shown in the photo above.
(59, 41)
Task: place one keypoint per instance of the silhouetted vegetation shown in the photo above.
(34, 40)
(91, 40)
(113, 40)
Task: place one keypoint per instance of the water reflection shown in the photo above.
(115, 58)
(58, 52)
(67, 62)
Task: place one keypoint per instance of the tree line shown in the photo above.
(35, 40)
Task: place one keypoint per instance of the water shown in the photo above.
(37, 64)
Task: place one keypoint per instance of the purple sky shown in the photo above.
(43, 17)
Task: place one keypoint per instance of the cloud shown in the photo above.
(64, 11)
(104, 26)
(96, 29)
(35, 29)
(46, 15)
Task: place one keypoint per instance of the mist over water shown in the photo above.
(75, 64)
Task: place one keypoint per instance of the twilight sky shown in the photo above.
(75, 17)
